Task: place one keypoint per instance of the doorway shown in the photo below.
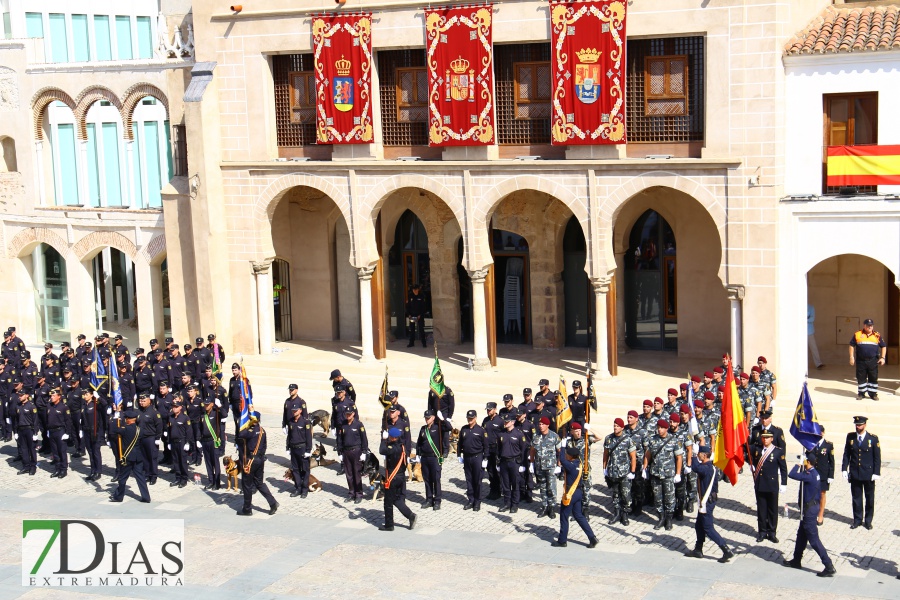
(651, 309)
(511, 287)
(409, 264)
(579, 303)
(281, 298)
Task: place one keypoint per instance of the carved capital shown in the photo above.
(601, 285)
(365, 273)
(478, 275)
(261, 267)
(735, 292)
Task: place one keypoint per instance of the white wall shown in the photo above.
(808, 78)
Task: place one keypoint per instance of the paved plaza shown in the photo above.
(322, 547)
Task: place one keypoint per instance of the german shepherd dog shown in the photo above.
(318, 457)
(372, 470)
(322, 419)
(314, 484)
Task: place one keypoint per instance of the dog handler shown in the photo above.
(394, 453)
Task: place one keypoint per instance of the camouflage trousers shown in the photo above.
(545, 482)
(586, 491)
(663, 493)
(621, 492)
(690, 487)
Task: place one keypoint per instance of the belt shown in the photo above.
(514, 458)
(298, 446)
(472, 454)
(346, 448)
(56, 428)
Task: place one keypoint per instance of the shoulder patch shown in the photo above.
(362, 428)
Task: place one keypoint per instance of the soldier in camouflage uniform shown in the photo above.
(619, 466)
(686, 443)
(750, 396)
(690, 478)
(764, 392)
(545, 464)
(662, 462)
(767, 377)
(647, 421)
(713, 410)
(639, 484)
(577, 441)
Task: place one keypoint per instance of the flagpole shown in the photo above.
(437, 404)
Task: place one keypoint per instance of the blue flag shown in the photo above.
(805, 427)
(98, 371)
(246, 400)
(114, 389)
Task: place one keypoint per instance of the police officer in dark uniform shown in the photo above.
(708, 491)
(212, 438)
(234, 396)
(577, 403)
(394, 480)
(203, 355)
(6, 375)
(164, 401)
(59, 426)
(507, 405)
(131, 461)
(293, 401)
(415, 315)
(511, 448)
(493, 425)
(767, 463)
(341, 403)
(825, 467)
(252, 444)
(143, 377)
(395, 419)
(431, 457)
(127, 386)
(808, 531)
(217, 354)
(526, 476)
(545, 393)
(181, 440)
(25, 426)
(338, 381)
(352, 447)
(470, 451)
(573, 495)
(151, 424)
(765, 424)
(192, 364)
(93, 428)
(162, 369)
(299, 442)
(152, 356)
(28, 372)
(861, 466)
(443, 408)
(394, 396)
(195, 411)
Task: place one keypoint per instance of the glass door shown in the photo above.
(651, 308)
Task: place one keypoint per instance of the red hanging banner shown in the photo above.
(588, 62)
(460, 76)
(342, 46)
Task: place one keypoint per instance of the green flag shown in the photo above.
(437, 377)
(383, 395)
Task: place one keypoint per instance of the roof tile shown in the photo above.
(849, 29)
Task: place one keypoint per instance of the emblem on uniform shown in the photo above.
(460, 85)
(587, 75)
(343, 85)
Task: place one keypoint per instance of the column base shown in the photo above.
(481, 364)
(368, 358)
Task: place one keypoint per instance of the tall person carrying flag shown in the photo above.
(442, 402)
(807, 430)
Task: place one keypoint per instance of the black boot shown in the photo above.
(690, 506)
(726, 555)
(660, 522)
(679, 514)
(616, 516)
(697, 552)
(551, 512)
(624, 519)
(668, 522)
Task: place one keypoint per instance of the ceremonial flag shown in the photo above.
(383, 396)
(695, 426)
(592, 398)
(733, 434)
(436, 383)
(863, 165)
(563, 412)
(460, 57)
(805, 427)
(587, 41)
(216, 361)
(98, 371)
(246, 399)
(114, 389)
(342, 58)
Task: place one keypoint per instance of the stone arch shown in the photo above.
(154, 251)
(383, 190)
(88, 246)
(41, 100)
(25, 240)
(86, 99)
(267, 201)
(135, 94)
(490, 199)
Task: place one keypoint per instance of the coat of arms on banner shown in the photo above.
(343, 86)
(587, 75)
(461, 84)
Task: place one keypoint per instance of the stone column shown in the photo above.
(736, 296)
(601, 289)
(39, 172)
(84, 187)
(129, 169)
(365, 313)
(82, 314)
(265, 309)
(479, 320)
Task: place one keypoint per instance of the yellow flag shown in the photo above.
(563, 412)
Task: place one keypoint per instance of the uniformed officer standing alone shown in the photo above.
(415, 313)
(473, 443)
(867, 351)
(861, 466)
(394, 453)
(428, 453)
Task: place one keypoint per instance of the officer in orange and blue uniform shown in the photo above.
(867, 351)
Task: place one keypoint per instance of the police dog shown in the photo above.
(321, 418)
(414, 470)
(454, 440)
(314, 484)
(318, 456)
(372, 470)
(231, 472)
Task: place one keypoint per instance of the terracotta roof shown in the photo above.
(849, 29)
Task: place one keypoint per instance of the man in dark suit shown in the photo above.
(765, 424)
(825, 466)
(861, 466)
(767, 464)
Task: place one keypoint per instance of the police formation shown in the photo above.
(174, 411)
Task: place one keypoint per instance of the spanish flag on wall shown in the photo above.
(733, 433)
(863, 165)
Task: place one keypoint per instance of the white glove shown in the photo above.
(677, 478)
(116, 414)
(362, 456)
(782, 489)
(586, 426)
(159, 444)
(80, 434)
(484, 464)
(224, 419)
(630, 476)
(460, 460)
(830, 481)
(440, 415)
(875, 477)
(384, 435)
(752, 469)
(844, 473)
(531, 468)
(557, 470)
(687, 470)
(340, 458)
(566, 440)
(605, 471)
(65, 436)
(96, 395)
(108, 443)
(165, 434)
(153, 396)
(306, 455)
(497, 468)
(16, 437)
(218, 403)
(644, 473)
(235, 448)
(35, 437)
(109, 410)
(284, 430)
(169, 446)
(449, 424)
(521, 469)
(187, 447)
(756, 420)
(8, 421)
(199, 445)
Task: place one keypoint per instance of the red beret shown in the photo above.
(619, 422)
(695, 379)
(575, 425)
(709, 395)
(633, 413)
(648, 402)
(662, 423)
(683, 386)
(675, 418)
(757, 369)
(685, 408)
(673, 392)
(721, 388)
(708, 374)
(745, 376)
(762, 359)
(725, 355)
(545, 420)
(699, 404)
(719, 370)
(658, 399)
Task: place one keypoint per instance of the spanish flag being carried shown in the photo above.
(733, 434)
